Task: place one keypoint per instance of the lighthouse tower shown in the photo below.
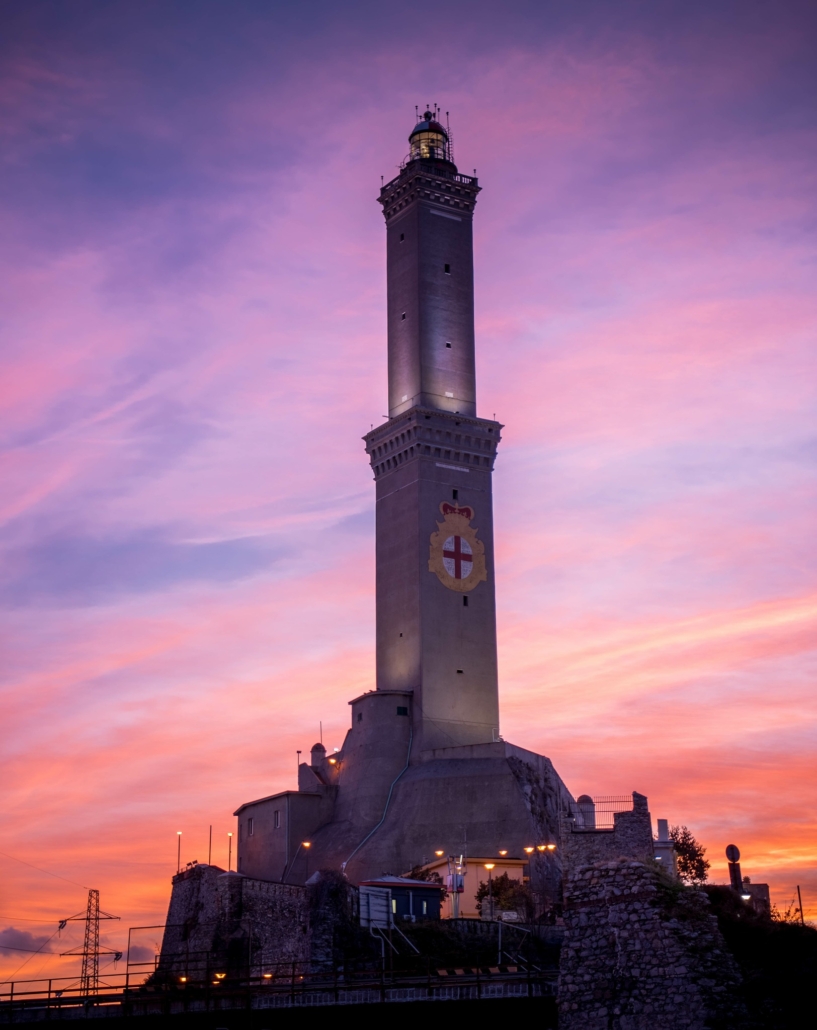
(422, 769)
(433, 460)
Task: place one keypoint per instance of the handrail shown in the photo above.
(281, 980)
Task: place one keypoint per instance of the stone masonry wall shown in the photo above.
(641, 952)
(226, 922)
(631, 837)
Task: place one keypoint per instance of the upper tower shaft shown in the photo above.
(430, 278)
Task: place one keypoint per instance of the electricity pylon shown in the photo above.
(89, 980)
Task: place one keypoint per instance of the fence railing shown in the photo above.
(125, 991)
(599, 812)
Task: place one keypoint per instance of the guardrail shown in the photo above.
(284, 988)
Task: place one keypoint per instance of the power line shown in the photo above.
(37, 952)
(11, 947)
(25, 919)
(46, 871)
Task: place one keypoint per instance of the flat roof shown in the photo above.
(401, 881)
(380, 693)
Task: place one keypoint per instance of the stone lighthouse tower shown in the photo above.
(423, 769)
(433, 459)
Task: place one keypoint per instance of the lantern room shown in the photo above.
(429, 140)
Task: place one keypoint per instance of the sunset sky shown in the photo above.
(192, 344)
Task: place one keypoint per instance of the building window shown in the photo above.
(459, 671)
(276, 819)
(448, 269)
(402, 236)
(448, 345)
(394, 906)
(403, 317)
(360, 716)
(465, 600)
(455, 494)
(249, 827)
(425, 908)
(402, 710)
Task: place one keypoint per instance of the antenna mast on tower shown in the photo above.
(89, 978)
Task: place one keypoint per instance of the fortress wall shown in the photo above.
(631, 837)
(642, 952)
(219, 919)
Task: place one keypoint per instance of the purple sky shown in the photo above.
(192, 338)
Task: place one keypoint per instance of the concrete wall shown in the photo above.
(480, 799)
(271, 851)
(640, 952)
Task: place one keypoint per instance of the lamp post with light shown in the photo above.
(288, 869)
(179, 851)
(306, 845)
(540, 849)
(490, 866)
(229, 852)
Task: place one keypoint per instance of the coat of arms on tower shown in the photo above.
(455, 554)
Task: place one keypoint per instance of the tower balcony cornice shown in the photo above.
(425, 180)
(431, 435)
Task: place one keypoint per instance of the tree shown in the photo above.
(508, 895)
(692, 866)
(790, 914)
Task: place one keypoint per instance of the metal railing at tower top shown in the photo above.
(426, 166)
(598, 812)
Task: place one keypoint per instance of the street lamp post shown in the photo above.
(229, 852)
(490, 866)
(306, 845)
(179, 851)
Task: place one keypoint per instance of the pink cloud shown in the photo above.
(193, 293)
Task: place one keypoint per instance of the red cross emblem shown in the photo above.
(458, 557)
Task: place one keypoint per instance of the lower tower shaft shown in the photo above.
(436, 608)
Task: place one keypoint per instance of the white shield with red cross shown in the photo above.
(458, 558)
